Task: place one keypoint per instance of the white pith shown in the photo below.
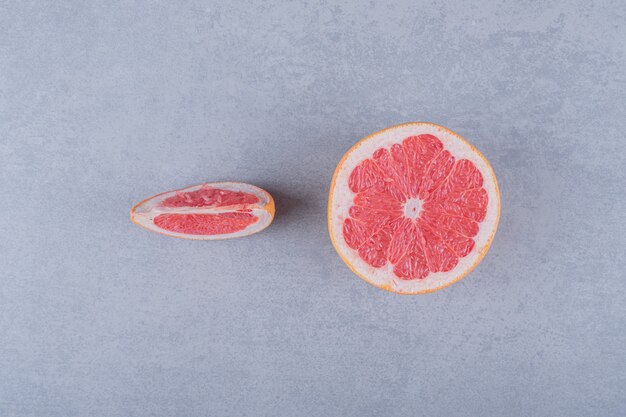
(144, 213)
(412, 208)
(341, 200)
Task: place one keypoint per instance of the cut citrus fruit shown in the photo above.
(413, 208)
(212, 211)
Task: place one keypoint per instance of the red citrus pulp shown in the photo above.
(207, 211)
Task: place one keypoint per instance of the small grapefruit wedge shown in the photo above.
(413, 208)
(211, 211)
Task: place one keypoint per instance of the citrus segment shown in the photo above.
(207, 211)
(205, 224)
(209, 196)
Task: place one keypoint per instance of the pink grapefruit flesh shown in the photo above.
(207, 211)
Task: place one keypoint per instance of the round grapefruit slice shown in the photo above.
(413, 208)
(211, 211)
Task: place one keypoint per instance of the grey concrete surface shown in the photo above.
(105, 103)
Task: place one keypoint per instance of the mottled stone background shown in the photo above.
(105, 103)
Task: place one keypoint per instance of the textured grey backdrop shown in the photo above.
(104, 104)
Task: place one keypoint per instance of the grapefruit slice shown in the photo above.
(413, 208)
(211, 211)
